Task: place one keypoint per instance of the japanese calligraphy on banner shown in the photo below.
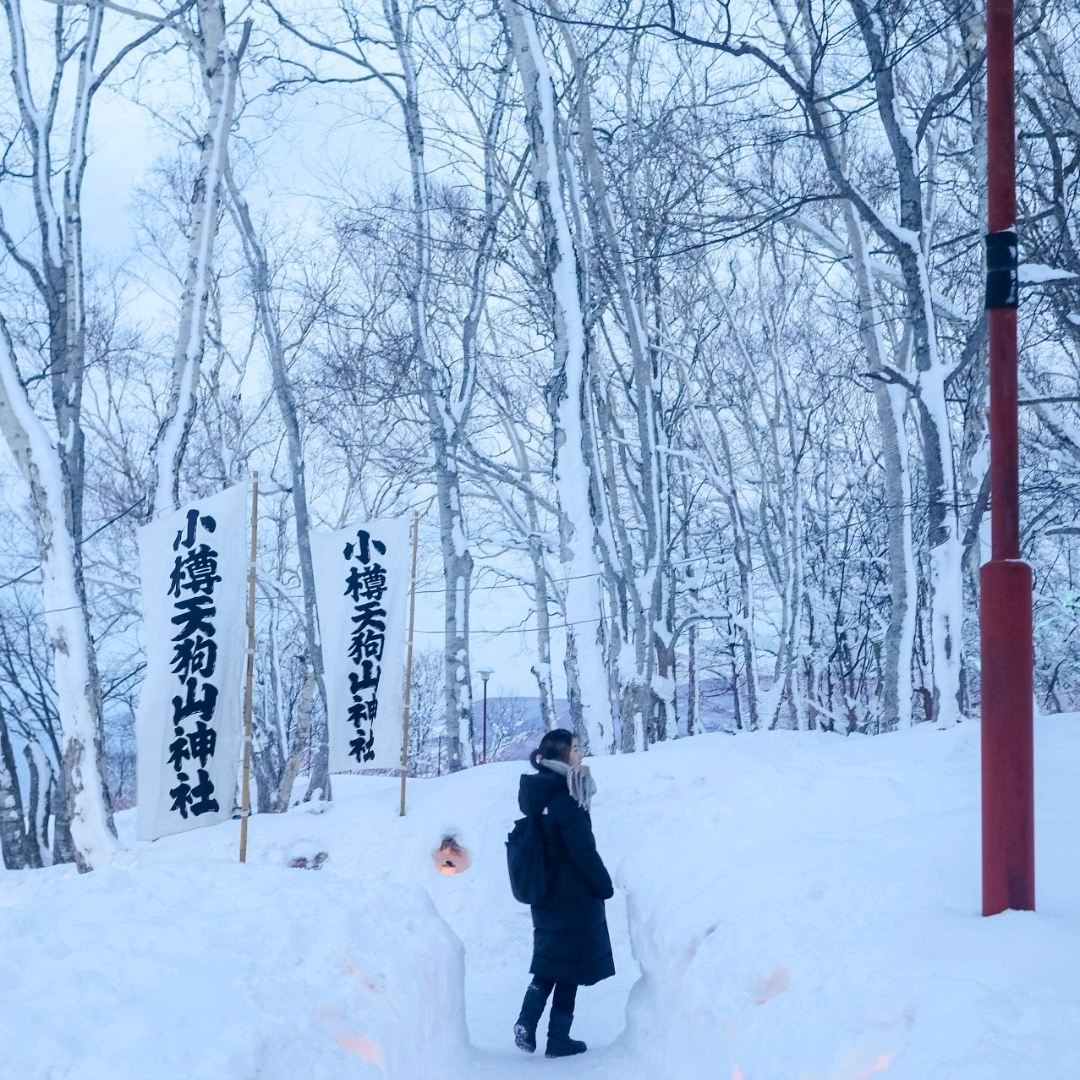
(362, 589)
(188, 729)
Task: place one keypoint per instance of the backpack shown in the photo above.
(527, 861)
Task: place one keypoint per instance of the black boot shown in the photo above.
(532, 1008)
(559, 1043)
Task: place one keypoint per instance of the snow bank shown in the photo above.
(367, 842)
(217, 971)
(826, 921)
(802, 907)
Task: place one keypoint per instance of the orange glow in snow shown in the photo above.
(450, 857)
(352, 969)
(363, 1048)
(776, 982)
(879, 1066)
(736, 1073)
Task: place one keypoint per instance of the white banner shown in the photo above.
(362, 589)
(188, 729)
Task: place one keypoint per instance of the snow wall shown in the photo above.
(780, 953)
(216, 970)
(806, 907)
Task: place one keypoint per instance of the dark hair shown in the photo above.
(554, 746)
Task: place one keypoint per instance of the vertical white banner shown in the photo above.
(362, 591)
(188, 729)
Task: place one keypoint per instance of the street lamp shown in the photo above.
(1005, 621)
(485, 674)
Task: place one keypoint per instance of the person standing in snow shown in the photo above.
(571, 947)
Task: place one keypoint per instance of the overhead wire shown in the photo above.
(419, 592)
(78, 544)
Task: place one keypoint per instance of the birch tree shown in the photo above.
(643, 712)
(259, 268)
(574, 471)
(803, 62)
(218, 65)
(54, 91)
(447, 402)
(18, 843)
(526, 511)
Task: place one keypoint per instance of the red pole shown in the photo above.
(1005, 620)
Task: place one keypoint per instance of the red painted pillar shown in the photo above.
(1005, 621)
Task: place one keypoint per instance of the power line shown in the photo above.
(521, 629)
(79, 544)
(572, 577)
(419, 592)
(507, 585)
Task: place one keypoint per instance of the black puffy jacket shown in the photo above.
(570, 934)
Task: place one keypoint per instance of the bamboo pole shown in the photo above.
(408, 666)
(245, 790)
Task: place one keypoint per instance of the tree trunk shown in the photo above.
(17, 845)
(301, 734)
(538, 557)
(219, 65)
(55, 469)
(691, 682)
(891, 402)
(259, 268)
(910, 244)
(84, 804)
(653, 628)
(444, 419)
(37, 808)
(568, 394)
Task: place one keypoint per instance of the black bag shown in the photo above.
(526, 860)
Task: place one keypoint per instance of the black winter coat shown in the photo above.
(570, 934)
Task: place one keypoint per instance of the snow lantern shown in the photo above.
(450, 857)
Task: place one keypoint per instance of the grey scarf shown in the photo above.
(579, 781)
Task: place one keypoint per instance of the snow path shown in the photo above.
(366, 838)
(803, 907)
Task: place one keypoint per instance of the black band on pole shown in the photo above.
(1002, 270)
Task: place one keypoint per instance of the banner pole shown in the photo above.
(245, 790)
(408, 666)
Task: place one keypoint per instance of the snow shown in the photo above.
(826, 920)
(801, 906)
(1040, 274)
(218, 970)
(29, 441)
(572, 466)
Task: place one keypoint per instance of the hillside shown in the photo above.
(790, 907)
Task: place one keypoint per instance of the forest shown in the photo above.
(667, 318)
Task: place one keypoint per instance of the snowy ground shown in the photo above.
(802, 907)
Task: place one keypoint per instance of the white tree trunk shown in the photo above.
(569, 405)
(51, 453)
(910, 243)
(946, 548)
(891, 400)
(78, 699)
(219, 65)
(651, 690)
(259, 267)
(18, 841)
(445, 418)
